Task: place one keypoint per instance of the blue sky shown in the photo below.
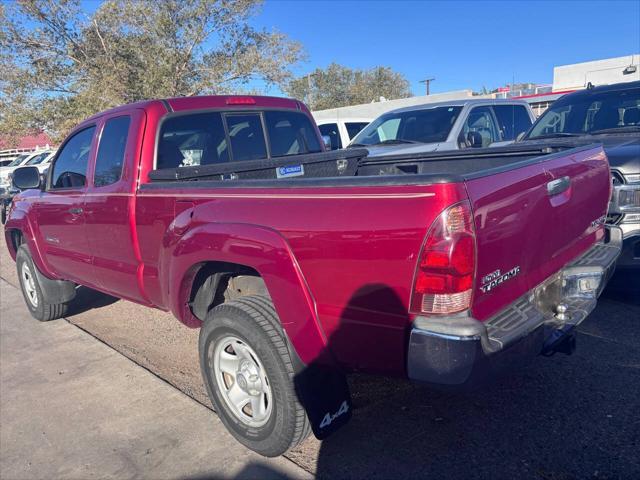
(462, 44)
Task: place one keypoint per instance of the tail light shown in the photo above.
(444, 275)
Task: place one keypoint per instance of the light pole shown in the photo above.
(427, 82)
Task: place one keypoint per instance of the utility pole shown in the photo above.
(427, 82)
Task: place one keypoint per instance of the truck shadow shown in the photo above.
(87, 299)
(564, 417)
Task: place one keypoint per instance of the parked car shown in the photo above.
(299, 266)
(458, 124)
(43, 160)
(611, 115)
(6, 190)
(342, 130)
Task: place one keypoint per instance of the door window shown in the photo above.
(331, 130)
(110, 158)
(354, 128)
(512, 120)
(70, 167)
(480, 120)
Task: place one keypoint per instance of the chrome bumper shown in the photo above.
(460, 351)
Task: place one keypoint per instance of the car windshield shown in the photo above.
(17, 161)
(38, 159)
(428, 125)
(606, 112)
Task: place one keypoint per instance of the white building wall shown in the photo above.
(598, 72)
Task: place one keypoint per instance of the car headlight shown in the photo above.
(635, 178)
(628, 198)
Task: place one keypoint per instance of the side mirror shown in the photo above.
(474, 139)
(520, 136)
(25, 178)
(326, 140)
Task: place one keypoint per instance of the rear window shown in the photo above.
(290, 133)
(219, 137)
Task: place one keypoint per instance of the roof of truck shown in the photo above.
(460, 103)
(211, 101)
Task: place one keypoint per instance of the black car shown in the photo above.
(609, 115)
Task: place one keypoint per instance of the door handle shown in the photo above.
(554, 187)
(75, 211)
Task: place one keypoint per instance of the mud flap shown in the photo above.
(324, 393)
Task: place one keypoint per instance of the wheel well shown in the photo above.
(216, 282)
(17, 239)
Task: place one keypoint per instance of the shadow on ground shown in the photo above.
(87, 299)
(563, 417)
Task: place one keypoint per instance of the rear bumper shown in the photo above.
(460, 352)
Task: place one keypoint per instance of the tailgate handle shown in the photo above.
(554, 187)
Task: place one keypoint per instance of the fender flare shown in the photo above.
(257, 247)
(19, 220)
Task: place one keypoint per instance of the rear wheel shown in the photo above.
(248, 373)
(40, 306)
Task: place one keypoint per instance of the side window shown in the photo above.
(512, 120)
(194, 139)
(354, 128)
(110, 158)
(246, 136)
(331, 129)
(70, 167)
(480, 120)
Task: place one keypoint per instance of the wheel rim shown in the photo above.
(241, 381)
(29, 283)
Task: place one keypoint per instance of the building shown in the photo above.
(569, 78)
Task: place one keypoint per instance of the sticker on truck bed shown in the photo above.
(290, 171)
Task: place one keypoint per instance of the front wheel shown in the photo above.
(247, 369)
(41, 306)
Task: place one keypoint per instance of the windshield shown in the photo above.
(17, 161)
(429, 125)
(597, 113)
(38, 159)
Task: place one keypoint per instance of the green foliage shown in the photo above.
(338, 86)
(60, 65)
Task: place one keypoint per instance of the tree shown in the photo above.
(60, 65)
(338, 86)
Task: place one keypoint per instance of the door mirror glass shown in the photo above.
(25, 178)
(326, 140)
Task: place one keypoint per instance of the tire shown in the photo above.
(248, 328)
(40, 307)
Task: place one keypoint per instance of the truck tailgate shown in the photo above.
(532, 219)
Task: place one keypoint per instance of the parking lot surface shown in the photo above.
(563, 417)
(72, 407)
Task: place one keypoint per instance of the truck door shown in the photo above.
(59, 211)
(109, 206)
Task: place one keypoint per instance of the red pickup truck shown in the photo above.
(299, 265)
